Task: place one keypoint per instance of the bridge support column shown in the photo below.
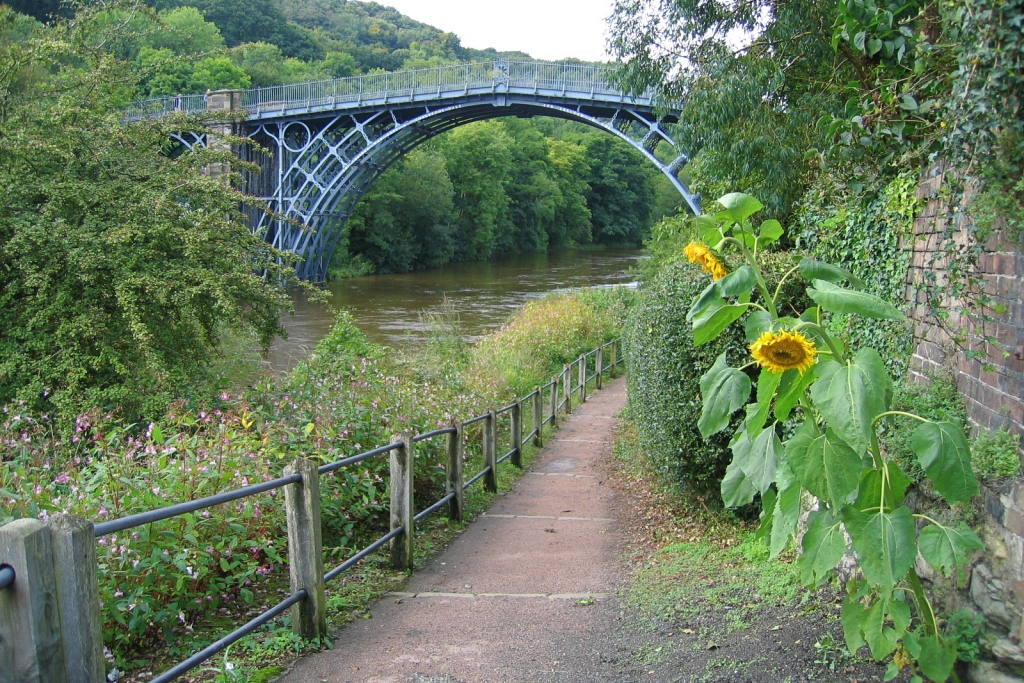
(223, 102)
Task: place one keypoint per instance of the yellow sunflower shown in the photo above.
(784, 350)
(702, 256)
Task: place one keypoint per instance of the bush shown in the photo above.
(544, 336)
(664, 371)
(995, 454)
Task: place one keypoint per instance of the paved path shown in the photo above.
(526, 593)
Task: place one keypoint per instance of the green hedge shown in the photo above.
(664, 371)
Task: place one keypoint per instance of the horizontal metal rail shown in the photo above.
(347, 564)
(357, 458)
(526, 439)
(507, 456)
(507, 408)
(474, 420)
(131, 521)
(476, 478)
(434, 508)
(239, 633)
(6, 576)
(436, 432)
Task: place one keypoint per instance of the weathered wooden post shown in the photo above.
(305, 549)
(554, 401)
(517, 434)
(567, 388)
(599, 364)
(491, 452)
(454, 484)
(30, 639)
(583, 378)
(538, 418)
(613, 372)
(78, 595)
(402, 502)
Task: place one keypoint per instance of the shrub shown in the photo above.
(664, 371)
(995, 454)
(542, 338)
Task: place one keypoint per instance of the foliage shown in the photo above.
(866, 234)
(544, 336)
(965, 628)
(119, 264)
(938, 401)
(156, 581)
(834, 453)
(663, 367)
(996, 454)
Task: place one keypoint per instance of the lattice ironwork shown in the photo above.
(329, 141)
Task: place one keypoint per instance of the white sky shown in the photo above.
(545, 29)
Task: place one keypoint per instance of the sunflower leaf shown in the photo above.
(758, 458)
(841, 300)
(736, 487)
(738, 206)
(850, 396)
(791, 388)
(943, 452)
(725, 390)
(886, 543)
(767, 383)
(819, 270)
(709, 323)
(824, 545)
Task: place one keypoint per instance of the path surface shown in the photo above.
(526, 593)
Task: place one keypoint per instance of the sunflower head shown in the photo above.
(702, 256)
(784, 350)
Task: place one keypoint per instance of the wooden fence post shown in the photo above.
(78, 594)
(538, 418)
(517, 434)
(454, 485)
(491, 452)
(614, 370)
(599, 364)
(30, 649)
(305, 549)
(583, 379)
(567, 388)
(554, 401)
(402, 502)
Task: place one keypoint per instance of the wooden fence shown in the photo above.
(50, 623)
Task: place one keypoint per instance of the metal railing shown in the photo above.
(302, 502)
(433, 82)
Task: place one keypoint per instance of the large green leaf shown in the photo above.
(756, 324)
(791, 388)
(710, 297)
(881, 637)
(936, 658)
(945, 548)
(824, 545)
(787, 509)
(886, 543)
(739, 282)
(852, 618)
(869, 494)
(738, 206)
(841, 300)
(827, 467)
(942, 450)
(708, 324)
(724, 390)
(850, 396)
(767, 382)
(758, 458)
(818, 270)
(736, 487)
(768, 232)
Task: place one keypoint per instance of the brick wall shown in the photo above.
(995, 397)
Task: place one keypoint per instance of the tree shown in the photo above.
(43, 10)
(120, 266)
(620, 192)
(748, 110)
(246, 21)
(217, 73)
(571, 222)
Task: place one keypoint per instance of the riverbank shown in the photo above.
(166, 587)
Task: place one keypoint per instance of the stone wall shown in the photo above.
(995, 399)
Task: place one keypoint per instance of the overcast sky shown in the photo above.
(545, 29)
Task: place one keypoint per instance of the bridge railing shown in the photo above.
(557, 76)
(49, 592)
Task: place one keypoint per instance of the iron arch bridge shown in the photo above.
(327, 142)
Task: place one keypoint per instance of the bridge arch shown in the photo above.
(332, 168)
(321, 145)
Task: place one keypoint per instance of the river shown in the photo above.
(387, 308)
